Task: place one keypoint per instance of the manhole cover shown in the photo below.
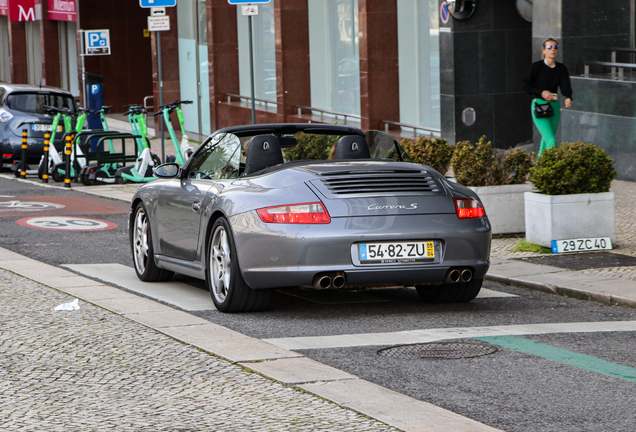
(438, 350)
(583, 261)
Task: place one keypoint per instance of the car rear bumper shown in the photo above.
(278, 255)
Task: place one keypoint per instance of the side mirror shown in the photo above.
(167, 170)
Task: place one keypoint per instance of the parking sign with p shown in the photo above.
(97, 42)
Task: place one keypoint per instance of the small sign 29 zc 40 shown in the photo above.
(581, 245)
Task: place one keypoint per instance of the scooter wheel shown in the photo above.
(56, 176)
(156, 159)
(41, 171)
(170, 159)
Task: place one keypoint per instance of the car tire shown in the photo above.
(450, 293)
(142, 250)
(227, 287)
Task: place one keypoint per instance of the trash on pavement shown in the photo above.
(74, 305)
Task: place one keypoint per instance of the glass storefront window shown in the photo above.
(334, 55)
(5, 60)
(193, 65)
(264, 45)
(67, 31)
(34, 52)
(418, 56)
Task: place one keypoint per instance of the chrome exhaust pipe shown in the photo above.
(339, 281)
(454, 276)
(322, 282)
(467, 275)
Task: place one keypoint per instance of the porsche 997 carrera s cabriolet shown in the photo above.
(319, 206)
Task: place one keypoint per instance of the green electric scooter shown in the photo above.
(142, 171)
(56, 166)
(183, 150)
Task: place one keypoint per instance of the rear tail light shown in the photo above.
(7, 155)
(469, 208)
(306, 213)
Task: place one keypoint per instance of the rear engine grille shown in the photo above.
(381, 181)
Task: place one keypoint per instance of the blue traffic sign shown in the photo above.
(157, 3)
(97, 42)
(237, 2)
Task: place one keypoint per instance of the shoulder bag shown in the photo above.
(542, 110)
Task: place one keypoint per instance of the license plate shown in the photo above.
(581, 245)
(396, 252)
(43, 127)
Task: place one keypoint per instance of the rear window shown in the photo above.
(33, 102)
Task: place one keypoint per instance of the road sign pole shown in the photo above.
(249, 17)
(83, 56)
(163, 149)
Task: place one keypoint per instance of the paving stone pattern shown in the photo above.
(93, 370)
(625, 196)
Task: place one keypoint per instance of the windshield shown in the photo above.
(34, 102)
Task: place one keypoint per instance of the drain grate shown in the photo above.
(583, 261)
(438, 351)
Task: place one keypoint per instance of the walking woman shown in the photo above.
(545, 78)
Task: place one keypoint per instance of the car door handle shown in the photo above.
(196, 206)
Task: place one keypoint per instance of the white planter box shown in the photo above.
(561, 217)
(504, 206)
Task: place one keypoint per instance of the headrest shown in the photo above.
(352, 147)
(263, 152)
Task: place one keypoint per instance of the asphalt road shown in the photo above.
(568, 381)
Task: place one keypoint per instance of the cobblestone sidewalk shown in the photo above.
(92, 370)
(625, 196)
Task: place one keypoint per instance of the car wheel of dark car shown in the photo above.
(229, 291)
(142, 251)
(450, 293)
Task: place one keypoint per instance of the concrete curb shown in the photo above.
(606, 299)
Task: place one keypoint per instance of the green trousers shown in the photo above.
(548, 125)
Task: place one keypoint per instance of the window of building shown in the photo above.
(5, 58)
(194, 78)
(418, 56)
(334, 55)
(67, 31)
(34, 52)
(264, 46)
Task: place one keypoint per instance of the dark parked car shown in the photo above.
(367, 218)
(22, 107)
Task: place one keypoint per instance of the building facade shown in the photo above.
(407, 66)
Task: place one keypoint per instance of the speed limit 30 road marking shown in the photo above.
(67, 223)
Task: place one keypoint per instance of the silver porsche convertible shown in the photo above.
(318, 206)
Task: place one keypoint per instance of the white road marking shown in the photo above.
(433, 335)
(175, 293)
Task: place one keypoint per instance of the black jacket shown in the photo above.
(542, 77)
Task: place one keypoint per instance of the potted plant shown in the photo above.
(434, 152)
(572, 198)
(499, 177)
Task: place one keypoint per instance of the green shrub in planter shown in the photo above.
(481, 165)
(435, 152)
(310, 147)
(573, 168)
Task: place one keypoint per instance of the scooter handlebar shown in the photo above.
(51, 109)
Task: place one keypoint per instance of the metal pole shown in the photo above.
(82, 55)
(163, 148)
(249, 17)
(23, 158)
(45, 174)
